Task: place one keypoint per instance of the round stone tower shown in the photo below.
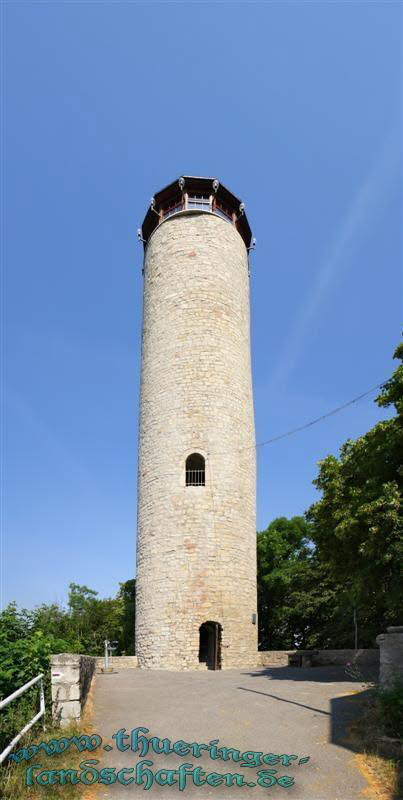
(196, 540)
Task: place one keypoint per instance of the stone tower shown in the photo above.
(196, 542)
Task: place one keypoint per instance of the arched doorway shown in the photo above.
(210, 644)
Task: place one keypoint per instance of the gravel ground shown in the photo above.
(282, 711)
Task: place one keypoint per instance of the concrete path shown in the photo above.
(282, 711)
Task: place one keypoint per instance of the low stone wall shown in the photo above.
(274, 658)
(117, 662)
(71, 677)
(360, 658)
(368, 657)
(391, 650)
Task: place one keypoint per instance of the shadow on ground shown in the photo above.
(345, 710)
(316, 674)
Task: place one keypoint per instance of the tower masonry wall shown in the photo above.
(196, 545)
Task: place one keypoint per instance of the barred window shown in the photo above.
(195, 470)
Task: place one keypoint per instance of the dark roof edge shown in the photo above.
(201, 184)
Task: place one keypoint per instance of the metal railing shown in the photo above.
(41, 712)
(197, 203)
(195, 477)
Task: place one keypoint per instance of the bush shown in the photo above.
(391, 710)
(24, 653)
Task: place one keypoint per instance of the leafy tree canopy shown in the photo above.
(357, 523)
(28, 638)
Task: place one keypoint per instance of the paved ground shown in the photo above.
(302, 712)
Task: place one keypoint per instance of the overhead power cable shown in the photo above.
(296, 430)
(319, 419)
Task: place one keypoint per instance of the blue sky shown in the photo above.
(296, 107)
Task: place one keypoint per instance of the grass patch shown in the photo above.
(379, 757)
(12, 775)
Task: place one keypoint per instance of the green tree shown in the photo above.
(357, 524)
(24, 649)
(127, 595)
(93, 619)
(283, 567)
(300, 603)
(54, 620)
(29, 638)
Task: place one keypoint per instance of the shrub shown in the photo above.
(391, 710)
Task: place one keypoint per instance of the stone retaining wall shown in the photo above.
(117, 662)
(360, 658)
(391, 649)
(274, 658)
(71, 676)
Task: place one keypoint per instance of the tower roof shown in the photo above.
(189, 194)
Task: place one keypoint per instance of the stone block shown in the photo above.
(391, 657)
(71, 710)
(71, 676)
